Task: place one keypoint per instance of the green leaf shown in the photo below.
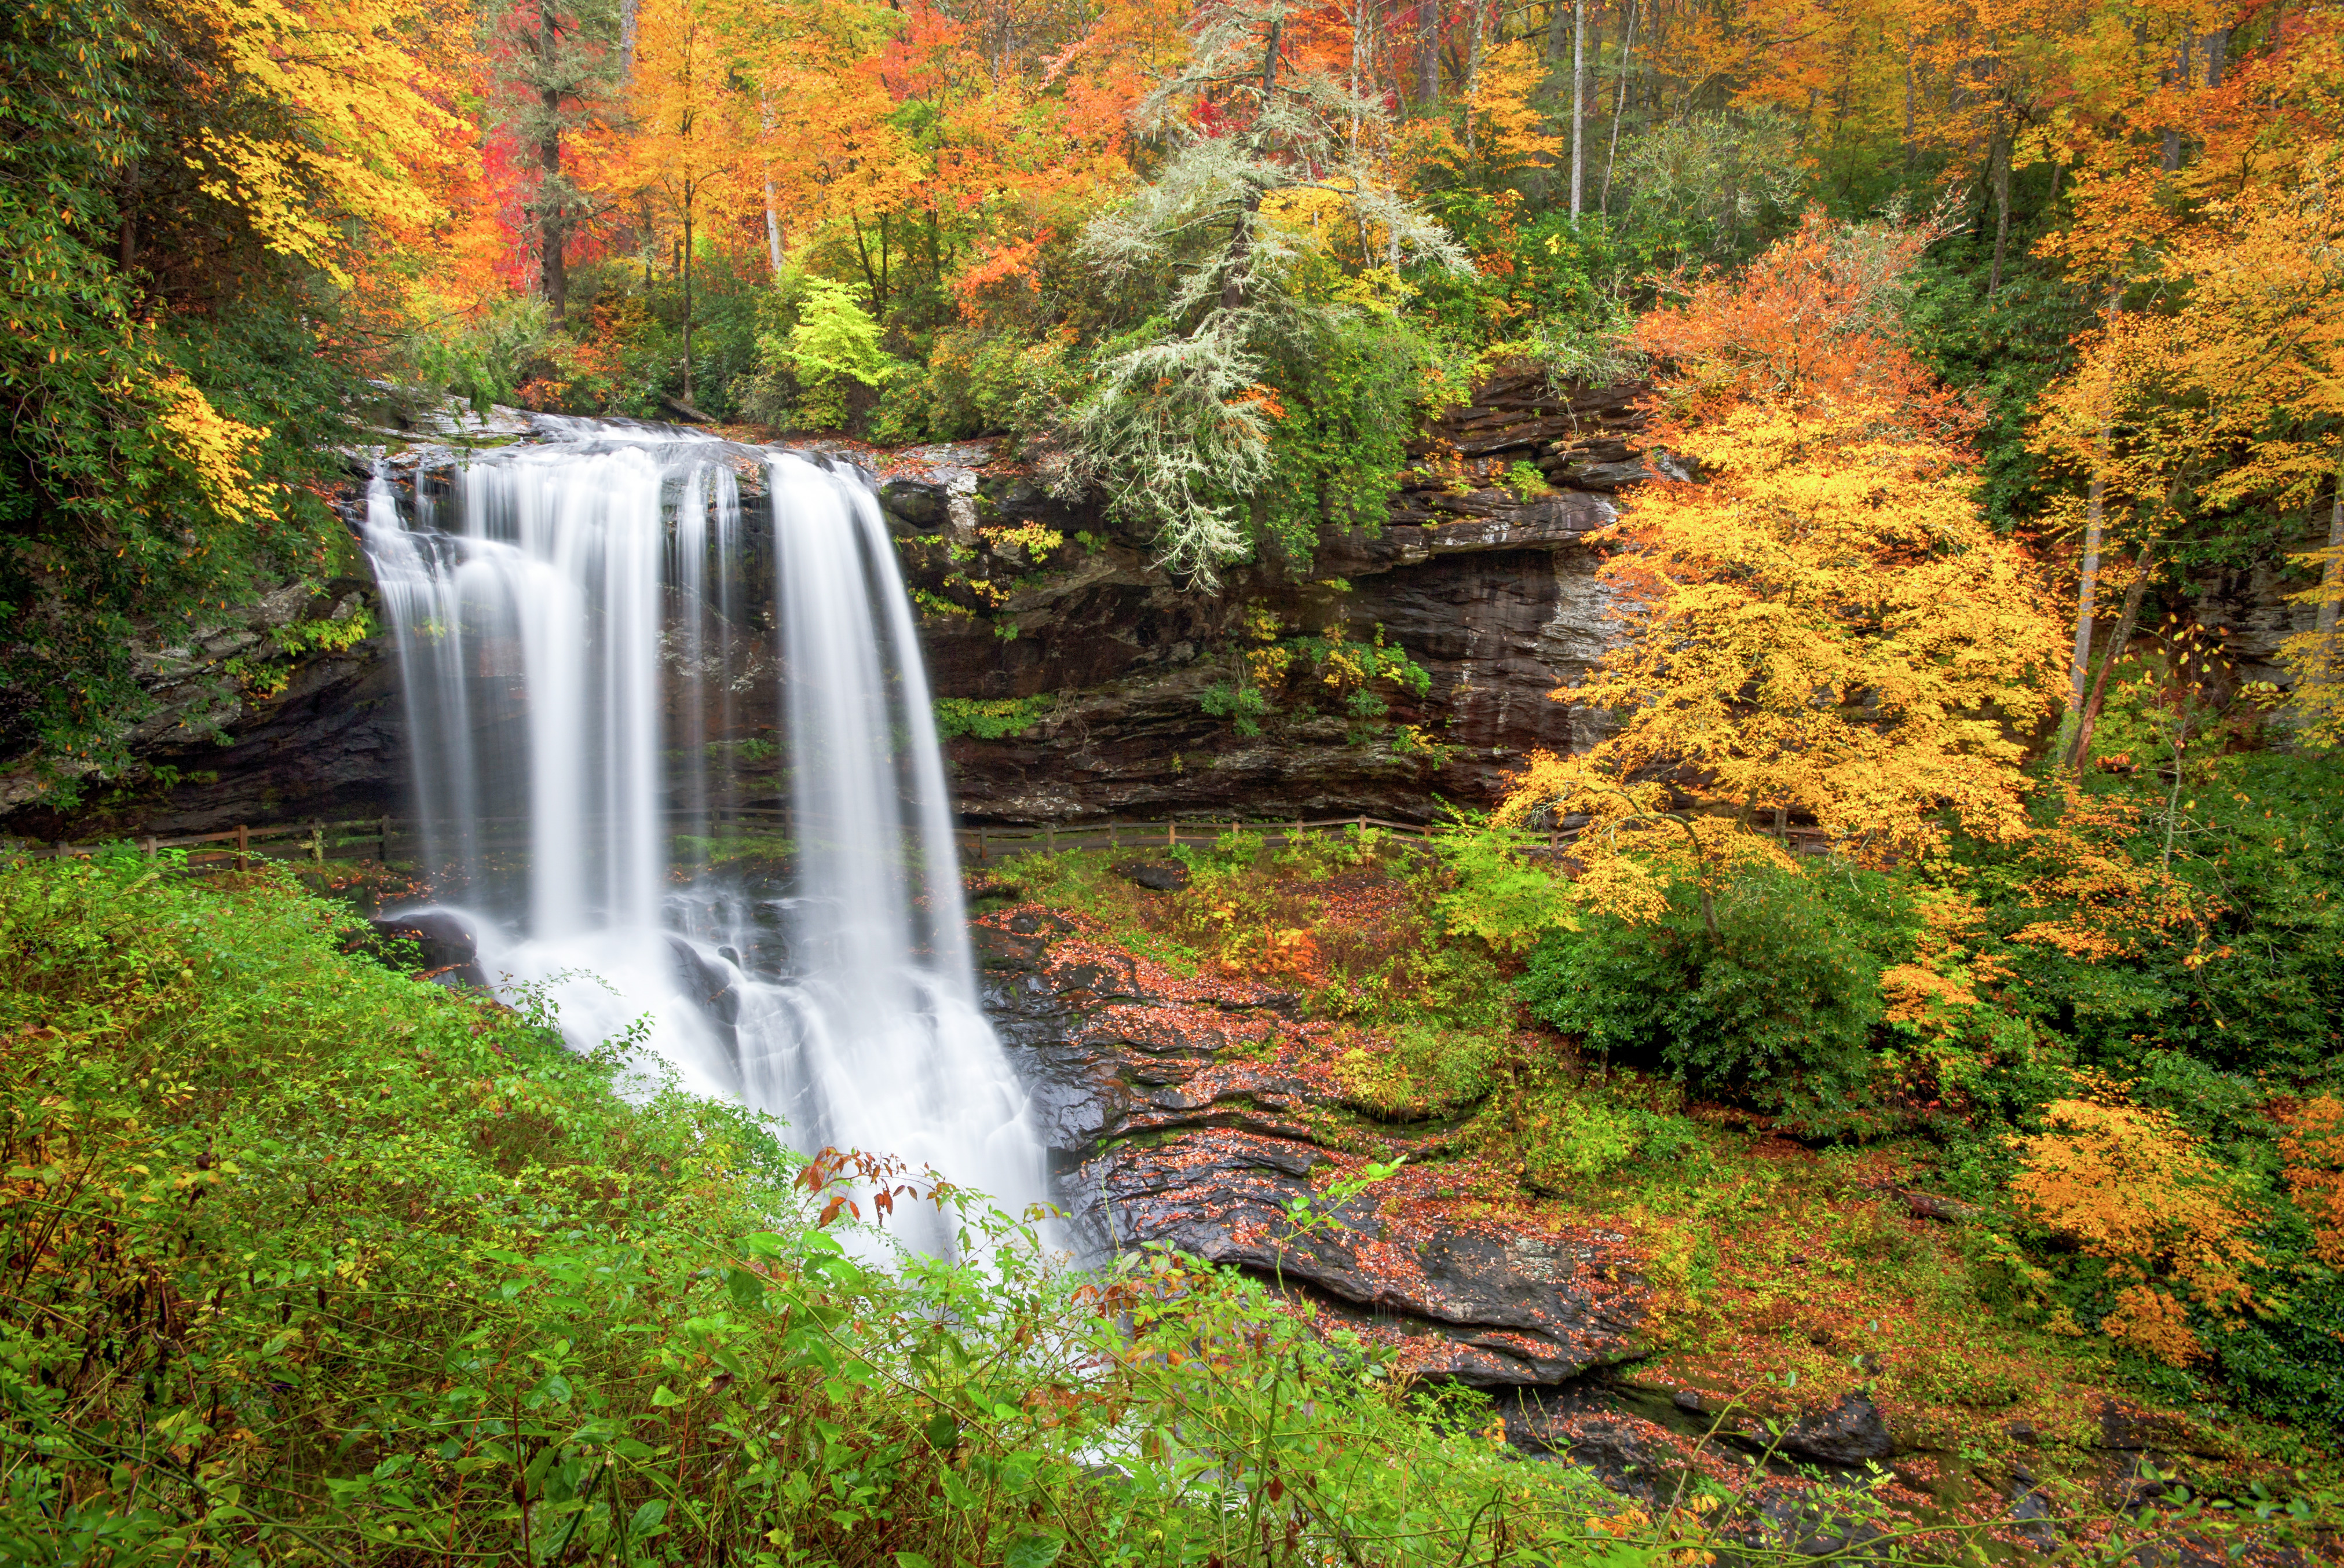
(1033, 1550)
(943, 1432)
(665, 1397)
(745, 1288)
(646, 1520)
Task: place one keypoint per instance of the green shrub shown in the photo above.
(978, 384)
(1774, 1007)
(1429, 1072)
(991, 718)
(1569, 1137)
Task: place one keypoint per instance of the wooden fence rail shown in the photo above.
(317, 840)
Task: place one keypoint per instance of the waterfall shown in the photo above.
(578, 630)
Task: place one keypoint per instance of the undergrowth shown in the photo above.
(311, 1262)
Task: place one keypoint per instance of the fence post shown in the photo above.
(61, 851)
(980, 843)
(383, 842)
(1111, 833)
(1050, 836)
(150, 846)
(242, 842)
(317, 839)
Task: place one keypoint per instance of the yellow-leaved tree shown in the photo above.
(1821, 626)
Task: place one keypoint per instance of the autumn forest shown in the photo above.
(1903, 916)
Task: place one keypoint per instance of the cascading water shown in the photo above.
(575, 624)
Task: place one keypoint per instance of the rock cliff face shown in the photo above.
(1185, 1113)
(1489, 592)
(1492, 593)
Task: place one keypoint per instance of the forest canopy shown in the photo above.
(1209, 264)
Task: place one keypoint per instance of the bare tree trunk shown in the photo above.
(127, 240)
(1577, 103)
(627, 43)
(687, 293)
(1233, 283)
(2119, 639)
(2088, 591)
(1619, 108)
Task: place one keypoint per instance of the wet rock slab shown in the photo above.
(1175, 1118)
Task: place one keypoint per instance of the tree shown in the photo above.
(189, 196)
(1819, 627)
(2222, 389)
(555, 67)
(1178, 428)
(694, 130)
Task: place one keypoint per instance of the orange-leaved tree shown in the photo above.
(2312, 1152)
(2217, 391)
(2133, 1188)
(1821, 626)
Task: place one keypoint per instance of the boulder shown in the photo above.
(433, 944)
(1154, 875)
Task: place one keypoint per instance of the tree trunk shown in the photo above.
(627, 43)
(2094, 513)
(2331, 571)
(1233, 282)
(2001, 155)
(1428, 54)
(1473, 69)
(2119, 639)
(1577, 103)
(2087, 589)
(552, 201)
(2171, 159)
(687, 295)
(127, 240)
(773, 206)
(1619, 108)
(1912, 52)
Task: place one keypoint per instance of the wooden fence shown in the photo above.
(317, 840)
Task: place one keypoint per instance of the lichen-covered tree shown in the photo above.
(1271, 165)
